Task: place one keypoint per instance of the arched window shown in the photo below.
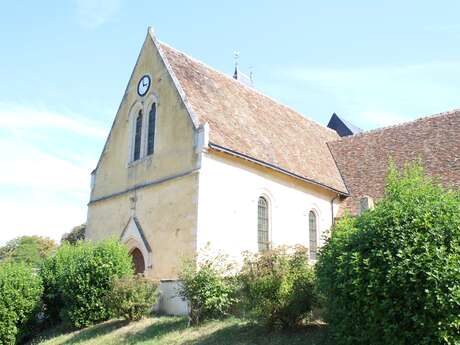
(263, 225)
(138, 137)
(138, 261)
(151, 131)
(313, 230)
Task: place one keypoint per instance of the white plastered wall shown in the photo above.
(229, 189)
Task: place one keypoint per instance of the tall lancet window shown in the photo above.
(313, 230)
(263, 225)
(151, 131)
(138, 137)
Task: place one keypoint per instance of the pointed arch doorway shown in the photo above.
(138, 261)
(139, 248)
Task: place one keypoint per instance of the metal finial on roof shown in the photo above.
(236, 56)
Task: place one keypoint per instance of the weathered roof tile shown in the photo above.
(252, 124)
(363, 158)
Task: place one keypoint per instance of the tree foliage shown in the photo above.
(28, 249)
(76, 234)
(392, 275)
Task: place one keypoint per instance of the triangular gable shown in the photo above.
(183, 97)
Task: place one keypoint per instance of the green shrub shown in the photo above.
(20, 292)
(78, 278)
(392, 275)
(205, 283)
(278, 287)
(132, 297)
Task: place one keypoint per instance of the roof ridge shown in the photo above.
(247, 87)
(419, 119)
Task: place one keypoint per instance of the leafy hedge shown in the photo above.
(79, 277)
(278, 287)
(205, 283)
(392, 275)
(132, 297)
(20, 292)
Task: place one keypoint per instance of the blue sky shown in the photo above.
(64, 66)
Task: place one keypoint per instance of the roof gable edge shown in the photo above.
(176, 82)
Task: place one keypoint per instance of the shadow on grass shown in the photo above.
(96, 331)
(245, 334)
(156, 330)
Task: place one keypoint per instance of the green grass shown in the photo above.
(174, 330)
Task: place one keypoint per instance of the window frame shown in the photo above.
(145, 105)
(268, 226)
(312, 255)
(138, 136)
(147, 150)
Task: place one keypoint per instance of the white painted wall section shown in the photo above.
(229, 189)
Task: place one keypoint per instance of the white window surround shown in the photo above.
(145, 106)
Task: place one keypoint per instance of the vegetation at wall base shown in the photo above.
(278, 287)
(20, 292)
(132, 297)
(205, 283)
(392, 275)
(78, 278)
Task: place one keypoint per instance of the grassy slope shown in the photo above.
(173, 330)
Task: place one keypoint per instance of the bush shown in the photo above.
(132, 297)
(279, 287)
(20, 292)
(210, 291)
(79, 277)
(392, 275)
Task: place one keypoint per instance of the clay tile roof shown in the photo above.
(363, 158)
(251, 124)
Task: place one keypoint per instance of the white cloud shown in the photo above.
(14, 117)
(39, 214)
(93, 13)
(46, 158)
(379, 118)
(25, 165)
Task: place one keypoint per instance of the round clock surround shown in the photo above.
(143, 85)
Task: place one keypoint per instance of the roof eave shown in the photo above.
(276, 168)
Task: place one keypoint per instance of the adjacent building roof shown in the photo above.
(342, 126)
(252, 125)
(363, 158)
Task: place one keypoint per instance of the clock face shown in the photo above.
(143, 86)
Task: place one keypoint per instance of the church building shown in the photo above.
(197, 158)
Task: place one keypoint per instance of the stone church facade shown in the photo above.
(196, 158)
